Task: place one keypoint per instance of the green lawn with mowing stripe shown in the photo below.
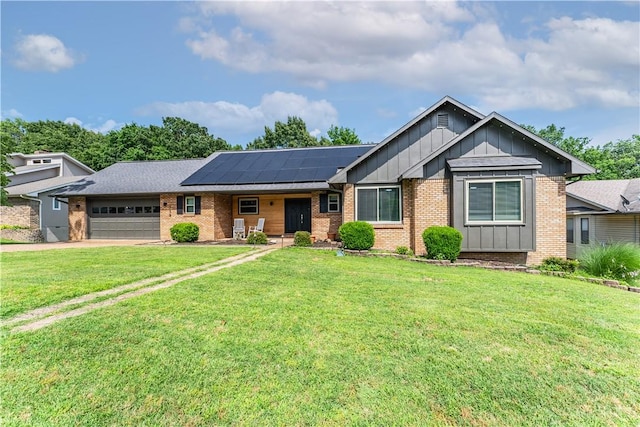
(34, 279)
(302, 337)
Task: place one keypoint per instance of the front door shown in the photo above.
(297, 215)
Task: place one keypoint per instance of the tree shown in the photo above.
(292, 134)
(340, 136)
(10, 132)
(555, 135)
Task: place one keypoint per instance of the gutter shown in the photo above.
(33, 199)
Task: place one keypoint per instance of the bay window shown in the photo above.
(378, 204)
(494, 201)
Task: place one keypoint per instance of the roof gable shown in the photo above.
(466, 144)
(406, 146)
(297, 165)
(616, 195)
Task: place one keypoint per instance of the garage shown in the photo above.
(124, 218)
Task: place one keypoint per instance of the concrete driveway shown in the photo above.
(69, 245)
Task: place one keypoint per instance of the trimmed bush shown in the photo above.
(620, 261)
(357, 235)
(554, 263)
(257, 238)
(442, 242)
(403, 250)
(302, 238)
(185, 232)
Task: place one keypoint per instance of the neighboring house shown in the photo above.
(599, 212)
(34, 179)
(500, 185)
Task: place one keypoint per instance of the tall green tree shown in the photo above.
(10, 132)
(291, 134)
(340, 136)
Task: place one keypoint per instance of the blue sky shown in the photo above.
(235, 67)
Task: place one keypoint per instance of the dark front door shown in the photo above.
(297, 215)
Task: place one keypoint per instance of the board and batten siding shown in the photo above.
(410, 147)
(495, 140)
(496, 237)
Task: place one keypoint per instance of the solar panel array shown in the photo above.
(276, 166)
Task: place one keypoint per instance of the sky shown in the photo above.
(236, 67)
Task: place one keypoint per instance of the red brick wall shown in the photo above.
(323, 223)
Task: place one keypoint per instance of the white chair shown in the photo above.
(258, 227)
(238, 228)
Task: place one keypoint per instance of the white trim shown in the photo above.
(378, 187)
(493, 181)
(187, 205)
(56, 204)
(336, 202)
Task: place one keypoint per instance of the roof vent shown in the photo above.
(443, 120)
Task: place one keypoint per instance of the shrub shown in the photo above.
(185, 232)
(403, 250)
(257, 238)
(559, 264)
(357, 235)
(620, 261)
(302, 238)
(442, 242)
(13, 227)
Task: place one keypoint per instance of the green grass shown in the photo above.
(620, 261)
(302, 337)
(36, 278)
(4, 241)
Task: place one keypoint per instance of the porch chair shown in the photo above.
(238, 228)
(258, 227)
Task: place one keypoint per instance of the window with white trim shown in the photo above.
(248, 206)
(56, 204)
(494, 201)
(190, 204)
(379, 204)
(584, 231)
(333, 202)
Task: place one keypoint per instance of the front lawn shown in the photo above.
(302, 337)
(36, 278)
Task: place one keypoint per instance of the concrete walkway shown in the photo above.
(45, 316)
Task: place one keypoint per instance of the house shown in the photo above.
(32, 183)
(500, 185)
(601, 212)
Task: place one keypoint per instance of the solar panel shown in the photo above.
(276, 166)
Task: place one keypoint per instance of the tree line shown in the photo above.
(178, 138)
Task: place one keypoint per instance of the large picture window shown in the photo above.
(378, 204)
(494, 201)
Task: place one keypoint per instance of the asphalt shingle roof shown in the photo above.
(607, 193)
(43, 185)
(494, 162)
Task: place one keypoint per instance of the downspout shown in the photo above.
(33, 199)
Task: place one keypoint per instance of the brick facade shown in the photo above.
(25, 213)
(323, 223)
(205, 220)
(77, 218)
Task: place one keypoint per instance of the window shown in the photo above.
(584, 231)
(248, 206)
(333, 202)
(378, 204)
(494, 201)
(570, 230)
(56, 204)
(190, 204)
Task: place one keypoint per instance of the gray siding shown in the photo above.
(410, 147)
(603, 229)
(33, 176)
(494, 140)
(55, 223)
(496, 237)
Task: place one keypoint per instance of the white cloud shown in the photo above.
(11, 113)
(223, 116)
(105, 127)
(442, 47)
(43, 52)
